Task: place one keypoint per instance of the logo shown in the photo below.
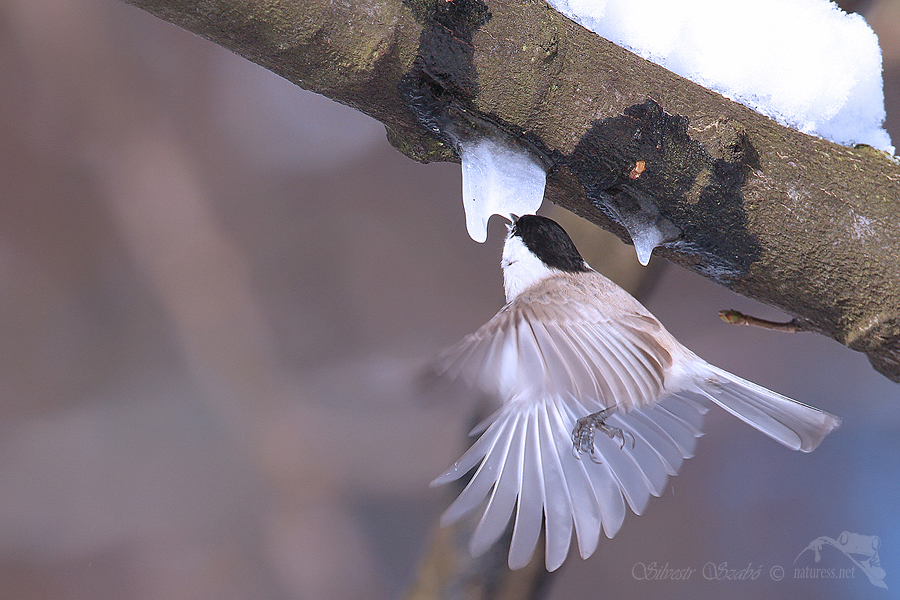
(861, 550)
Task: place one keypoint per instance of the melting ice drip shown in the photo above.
(499, 177)
(646, 227)
(645, 238)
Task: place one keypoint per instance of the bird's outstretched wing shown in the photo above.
(544, 344)
(527, 471)
(549, 366)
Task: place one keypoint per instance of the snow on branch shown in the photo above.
(795, 221)
(805, 63)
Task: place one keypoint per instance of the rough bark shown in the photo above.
(797, 222)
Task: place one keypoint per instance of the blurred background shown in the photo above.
(218, 291)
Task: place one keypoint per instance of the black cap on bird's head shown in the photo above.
(547, 240)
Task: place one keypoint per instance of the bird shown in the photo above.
(569, 356)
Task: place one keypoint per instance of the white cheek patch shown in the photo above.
(498, 178)
(521, 268)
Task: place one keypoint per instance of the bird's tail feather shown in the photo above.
(794, 424)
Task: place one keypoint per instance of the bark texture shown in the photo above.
(797, 222)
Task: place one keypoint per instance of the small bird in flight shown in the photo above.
(572, 354)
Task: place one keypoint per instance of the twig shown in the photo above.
(733, 317)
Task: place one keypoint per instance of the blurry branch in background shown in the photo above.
(791, 220)
(448, 571)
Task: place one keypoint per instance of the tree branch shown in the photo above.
(794, 221)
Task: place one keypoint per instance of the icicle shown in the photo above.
(645, 237)
(647, 228)
(499, 177)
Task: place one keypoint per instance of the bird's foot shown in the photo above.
(583, 433)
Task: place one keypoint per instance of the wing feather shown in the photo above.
(683, 435)
(634, 375)
(558, 507)
(585, 506)
(506, 490)
(480, 485)
(530, 507)
(604, 395)
(528, 473)
(562, 359)
(640, 424)
(603, 362)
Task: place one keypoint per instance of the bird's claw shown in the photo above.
(583, 433)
